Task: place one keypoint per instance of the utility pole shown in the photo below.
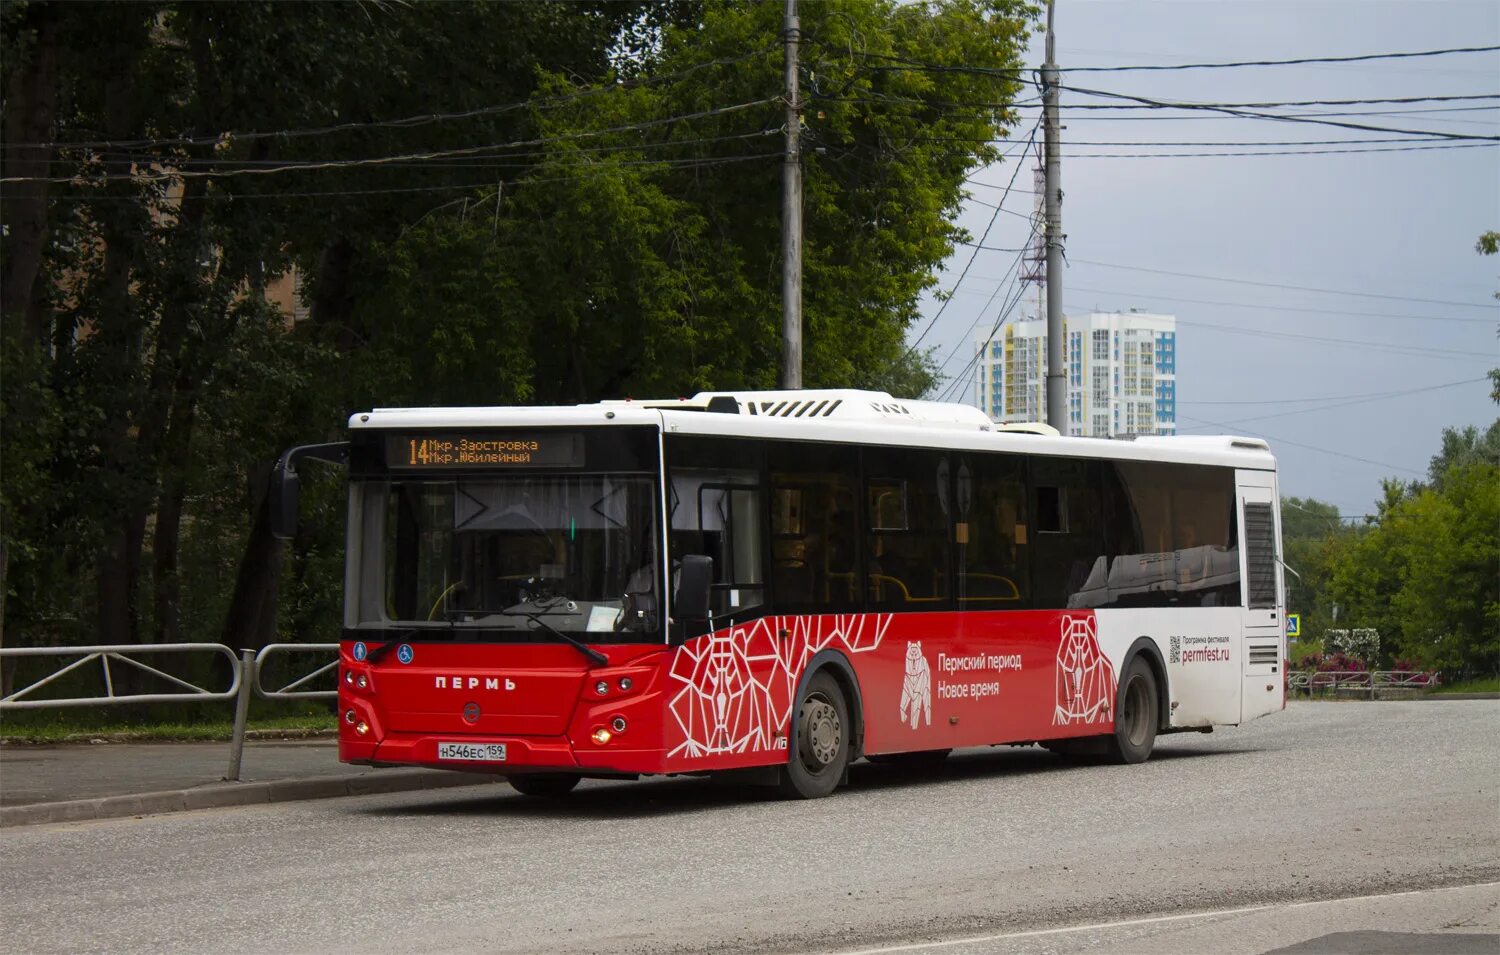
(791, 215)
(1057, 370)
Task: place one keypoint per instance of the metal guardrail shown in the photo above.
(1356, 681)
(121, 654)
(245, 679)
(291, 691)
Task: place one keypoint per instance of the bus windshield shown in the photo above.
(577, 551)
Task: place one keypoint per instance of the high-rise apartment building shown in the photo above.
(1122, 373)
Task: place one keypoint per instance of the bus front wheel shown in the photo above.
(820, 752)
(1135, 715)
(544, 784)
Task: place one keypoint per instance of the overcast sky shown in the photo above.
(1398, 225)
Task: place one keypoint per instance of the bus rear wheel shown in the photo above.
(1135, 716)
(820, 753)
(544, 784)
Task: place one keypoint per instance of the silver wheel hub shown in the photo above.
(822, 733)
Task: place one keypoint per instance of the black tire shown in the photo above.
(550, 785)
(1136, 709)
(819, 755)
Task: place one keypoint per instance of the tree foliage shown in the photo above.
(1426, 573)
(1314, 534)
(176, 159)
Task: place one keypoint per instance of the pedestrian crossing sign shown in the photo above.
(1294, 625)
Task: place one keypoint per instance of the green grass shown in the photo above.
(1487, 684)
(73, 731)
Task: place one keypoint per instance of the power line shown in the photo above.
(1415, 351)
(1280, 104)
(1005, 281)
(1152, 116)
(1248, 114)
(1000, 319)
(594, 173)
(1284, 152)
(1326, 398)
(1309, 447)
(1277, 308)
(388, 160)
(1294, 288)
(1253, 142)
(919, 66)
(451, 162)
(1355, 401)
(991, 205)
(1145, 103)
(420, 119)
(944, 305)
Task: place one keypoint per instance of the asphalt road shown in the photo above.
(1219, 842)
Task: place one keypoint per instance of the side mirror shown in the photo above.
(694, 579)
(286, 487)
(286, 491)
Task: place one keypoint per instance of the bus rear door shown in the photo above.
(1264, 621)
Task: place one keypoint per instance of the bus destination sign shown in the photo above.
(450, 450)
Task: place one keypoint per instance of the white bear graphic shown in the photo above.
(916, 691)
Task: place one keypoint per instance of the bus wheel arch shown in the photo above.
(828, 670)
(839, 668)
(1146, 648)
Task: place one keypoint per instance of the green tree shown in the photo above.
(1314, 538)
(631, 247)
(1449, 599)
(1426, 574)
(127, 295)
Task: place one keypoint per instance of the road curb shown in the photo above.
(219, 795)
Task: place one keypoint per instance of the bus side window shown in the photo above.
(1171, 535)
(1068, 549)
(909, 511)
(813, 537)
(714, 504)
(994, 556)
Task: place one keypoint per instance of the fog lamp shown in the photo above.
(601, 687)
(618, 724)
(601, 736)
(349, 717)
(362, 728)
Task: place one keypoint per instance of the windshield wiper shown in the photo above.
(536, 618)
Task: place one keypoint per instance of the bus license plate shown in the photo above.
(473, 752)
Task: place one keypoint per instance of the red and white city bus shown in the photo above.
(780, 583)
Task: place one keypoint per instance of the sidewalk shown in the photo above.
(78, 781)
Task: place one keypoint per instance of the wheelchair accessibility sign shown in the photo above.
(1294, 625)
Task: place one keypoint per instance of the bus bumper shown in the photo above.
(522, 754)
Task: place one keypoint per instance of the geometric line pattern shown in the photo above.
(1085, 678)
(734, 687)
